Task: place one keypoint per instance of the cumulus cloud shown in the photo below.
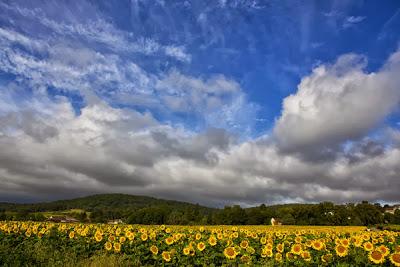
(338, 102)
(106, 149)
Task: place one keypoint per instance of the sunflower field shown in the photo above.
(201, 245)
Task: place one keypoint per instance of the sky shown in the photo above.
(212, 102)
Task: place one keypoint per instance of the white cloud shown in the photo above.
(352, 21)
(107, 149)
(338, 102)
(99, 31)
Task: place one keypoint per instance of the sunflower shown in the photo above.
(230, 253)
(368, 246)
(269, 253)
(358, 242)
(366, 237)
(280, 247)
(278, 257)
(263, 254)
(263, 240)
(117, 247)
(395, 259)
(166, 255)
(345, 242)
(130, 235)
(296, 249)
(298, 239)
(144, 236)
(306, 255)
(169, 241)
(245, 259)
(212, 241)
(376, 257)
(98, 237)
(186, 251)
(201, 246)
(317, 245)
(384, 250)
(341, 250)
(108, 246)
(326, 258)
(72, 234)
(250, 250)
(268, 247)
(198, 236)
(244, 244)
(290, 256)
(154, 250)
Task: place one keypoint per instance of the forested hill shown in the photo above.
(100, 201)
(149, 210)
(103, 207)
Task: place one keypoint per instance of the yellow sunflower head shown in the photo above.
(212, 240)
(230, 253)
(296, 249)
(144, 236)
(244, 244)
(306, 255)
(169, 241)
(108, 246)
(376, 257)
(245, 259)
(71, 234)
(384, 250)
(186, 251)
(280, 247)
(395, 259)
(326, 258)
(117, 247)
(154, 249)
(368, 246)
(341, 250)
(201, 246)
(166, 256)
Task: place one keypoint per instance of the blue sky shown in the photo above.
(197, 83)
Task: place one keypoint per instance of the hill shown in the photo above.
(100, 201)
(103, 207)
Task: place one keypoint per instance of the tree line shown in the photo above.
(103, 209)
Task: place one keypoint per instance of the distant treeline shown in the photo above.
(147, 210)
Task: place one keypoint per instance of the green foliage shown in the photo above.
(148, 210)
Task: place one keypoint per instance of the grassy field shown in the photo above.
(52, 244)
